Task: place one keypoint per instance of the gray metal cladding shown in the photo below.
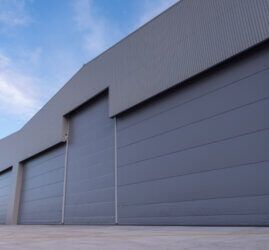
(5, 185)
(198, 155)
(187, 39)
(42, 188)
(90, 191)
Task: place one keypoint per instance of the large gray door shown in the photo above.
(90, 192)
(198, 155)
(42, 188)
(5, 181)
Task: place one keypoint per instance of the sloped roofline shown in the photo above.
(185, 40)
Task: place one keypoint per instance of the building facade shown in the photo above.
(170, 126)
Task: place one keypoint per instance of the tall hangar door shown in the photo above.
(90, 191)
(198, 155)
(42, 188)
(5, 185)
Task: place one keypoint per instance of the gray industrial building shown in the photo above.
(170, 126)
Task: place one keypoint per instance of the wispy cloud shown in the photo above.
(13, 13)
(97, 31)
(18, 94)
(152, 8)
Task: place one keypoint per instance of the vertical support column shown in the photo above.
(65, 172)
(15, 194)
(116, 174)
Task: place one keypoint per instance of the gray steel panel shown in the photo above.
(96, 170)
(37, 218)
(198, 159)
(220, 220)
(102, 209)
(43, 205)
(249, 205)
(187, 39)
(42, 188)
(92, 159)
(90, 190)
(91, 196)
(46, 167)
(93, 183)
(246, 180)
(229, 73)
(44, 192)
(253, 148)
(5, 185)
(181, 114)
(48, 178)
(102, 220)
(248, 119)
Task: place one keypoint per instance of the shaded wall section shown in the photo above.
(90, 188)
(198, 155)
(5, 186)
(42, 188)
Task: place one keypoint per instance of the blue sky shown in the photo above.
(44, 42)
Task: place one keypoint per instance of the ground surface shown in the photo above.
(126, 237)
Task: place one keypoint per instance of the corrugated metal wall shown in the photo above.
(185, 40)
(90, 193)
(5, 185)
(42, 188)
(198, 155)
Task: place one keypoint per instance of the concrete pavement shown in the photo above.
(131, 237)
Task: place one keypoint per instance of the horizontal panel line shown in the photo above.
(79, 146)
(5, 186)
(88, 123)
(70, 180)
(96, 165)
(196, 146)
(4, 198)
(44, 185)
(26, 178)
(43, 198)
(92, 123)
(191, 200)
(36, 215)
(90, 217)
(5, 195)
(91, 203)
(96, 153)
(104, 165)
(6, 179)
(198, 97)
(195, 122)
(24, 212)
(92, 134)
(31, 162)
(37, 222)
(195, 215)
(197, 172)
(89, 191)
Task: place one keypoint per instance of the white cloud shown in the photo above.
(152, 8)
(13, 13)
(18, 94)
(98, 33)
